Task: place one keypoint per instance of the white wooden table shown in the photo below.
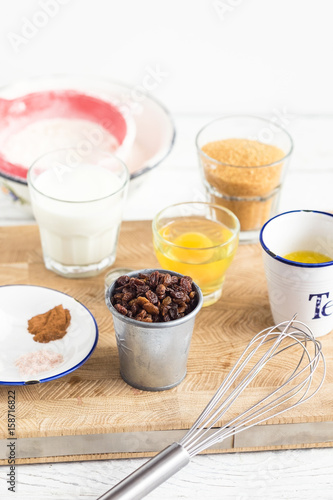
(292, 474)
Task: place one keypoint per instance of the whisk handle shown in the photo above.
(150, 475)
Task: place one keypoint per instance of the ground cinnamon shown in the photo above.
(51, 325)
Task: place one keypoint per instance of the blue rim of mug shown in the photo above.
(287, 261)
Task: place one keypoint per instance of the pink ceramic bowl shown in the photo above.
(43, 114)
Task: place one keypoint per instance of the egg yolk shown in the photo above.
(197, 248)
(307, 257)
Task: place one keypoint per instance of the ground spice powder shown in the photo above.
(245, 176)
(51, 325)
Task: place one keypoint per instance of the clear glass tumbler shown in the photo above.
(197, 239)
(77, 200)
(248, 182)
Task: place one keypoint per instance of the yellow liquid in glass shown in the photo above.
(308, 257)
(197, 247)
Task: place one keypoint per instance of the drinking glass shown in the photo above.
(78, 201)
(251, 192)
(197, 239)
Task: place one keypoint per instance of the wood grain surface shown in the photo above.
(94, 400)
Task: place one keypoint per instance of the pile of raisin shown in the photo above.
(154, 298)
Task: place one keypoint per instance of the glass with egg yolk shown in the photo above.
(199, 240)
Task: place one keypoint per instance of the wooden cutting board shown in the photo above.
(93, 414)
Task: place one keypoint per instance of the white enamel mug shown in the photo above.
(295, 287)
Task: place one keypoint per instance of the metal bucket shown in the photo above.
(153, 356)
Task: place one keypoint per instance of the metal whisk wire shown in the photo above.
(199, 437)
(207, 430)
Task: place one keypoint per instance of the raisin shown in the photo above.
(167, 300)
(152, 297)
(150, 308)
(153, 279)
(186, 283)
(137, 282)
(181, 307)
(142, 300)
(134, 308)
(142, 314)
(193, 303)
(167, 279)
(178, 295)
(121, 309)
(122, 280)
(143, 276)
(164, 310)
(127, 296)
(142, 289)
(173, 313)
(160, 290)
(147, 319)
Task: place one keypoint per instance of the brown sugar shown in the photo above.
(51, 325)
(243, 152)
(245, 176)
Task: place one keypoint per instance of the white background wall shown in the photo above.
(214, 56)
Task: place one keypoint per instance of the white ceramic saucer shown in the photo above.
(19, 303)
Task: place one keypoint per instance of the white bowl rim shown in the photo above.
(59, 76)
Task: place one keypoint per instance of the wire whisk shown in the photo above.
(269, 347)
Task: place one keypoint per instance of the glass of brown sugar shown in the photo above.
(243, 161)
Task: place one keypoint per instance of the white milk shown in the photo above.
(79, 214)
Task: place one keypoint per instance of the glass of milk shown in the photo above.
(77, 198)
